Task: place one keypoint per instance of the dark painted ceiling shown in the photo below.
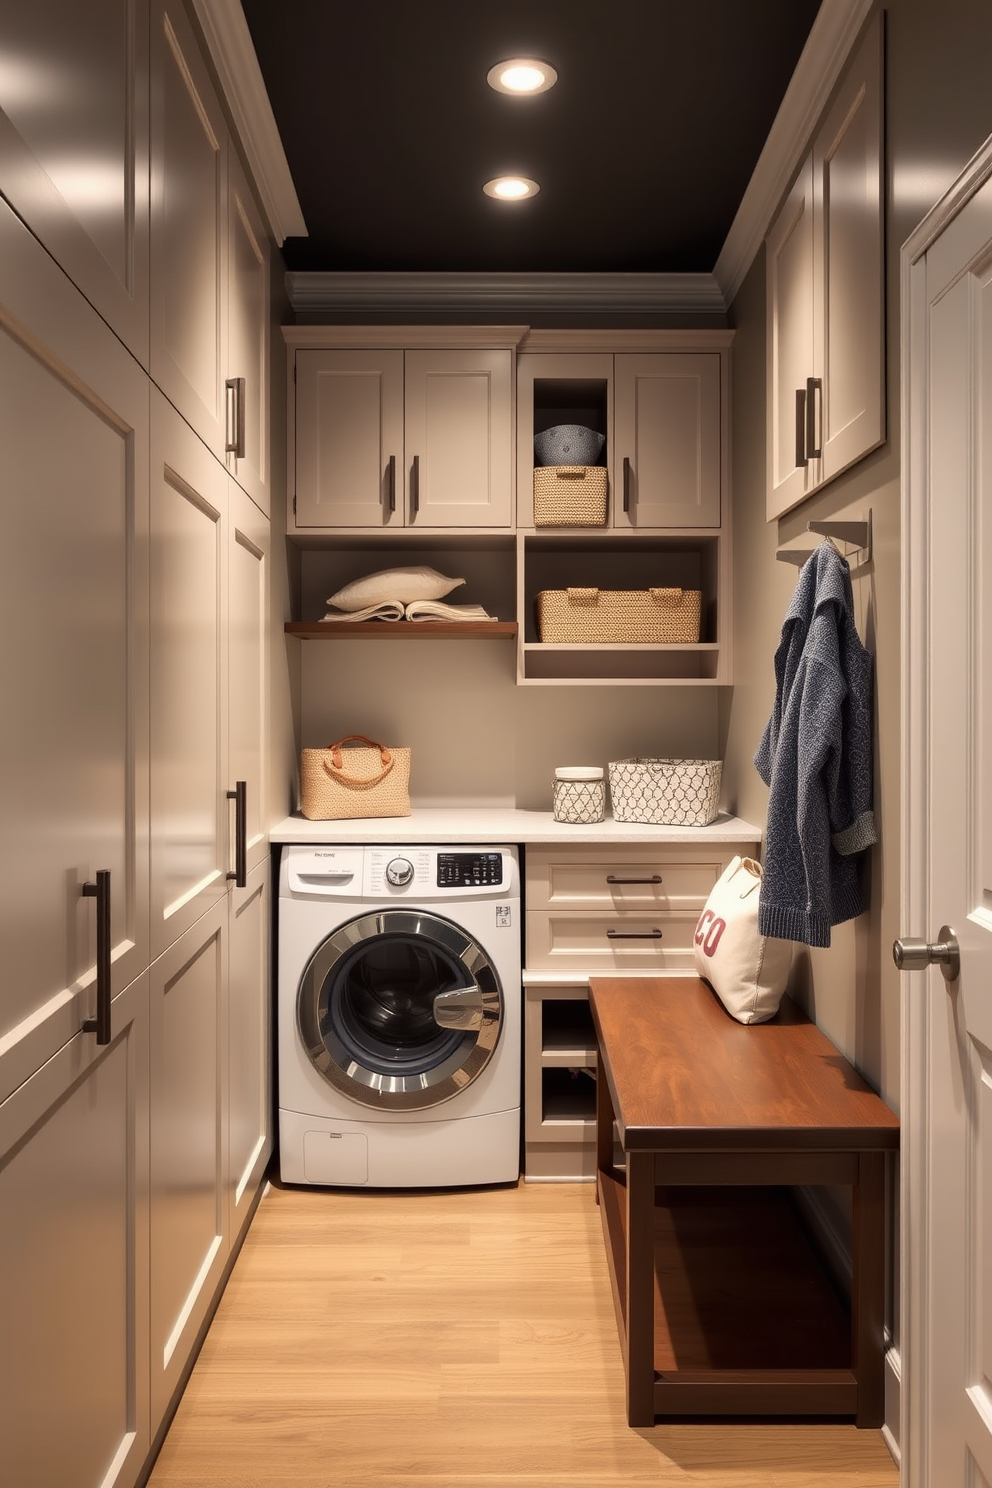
(642, 150)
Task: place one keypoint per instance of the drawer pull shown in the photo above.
(633, 935)
(655, 878)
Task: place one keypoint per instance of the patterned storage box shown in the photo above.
(619, 616)
(570, 496)
(665, 792)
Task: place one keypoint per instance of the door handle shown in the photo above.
(100, 891)
(234, 390)
(655, 878)
(391, 485)
(240, 798)
(460, 1008)
(917, 955)
(626, 483)
(415, 486)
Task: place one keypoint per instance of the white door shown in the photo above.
(247, 366)
(667, 458)
(348, 439)
(947, 855)
(247, 639)
(790, 309)
(73, 618)
(459, 438)
(191, 816)
(249, 1055)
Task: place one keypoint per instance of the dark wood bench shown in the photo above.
(724, 1305)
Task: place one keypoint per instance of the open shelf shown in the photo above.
(400, 630)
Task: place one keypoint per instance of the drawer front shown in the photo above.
(660, 940)
(623, 885)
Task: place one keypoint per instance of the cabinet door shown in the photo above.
(188, 227)
(459, 438)
(247, 667)
(848, 265)
(73, 620)
(247, 369)
(667, 456)
(349, 439)
(790, 302)
(74, 1261)
(190, 812)
(188, 1095)
(249, 1046)
(74, 146)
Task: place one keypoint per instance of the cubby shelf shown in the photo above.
(401, 630)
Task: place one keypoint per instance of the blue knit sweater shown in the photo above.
(816, 755)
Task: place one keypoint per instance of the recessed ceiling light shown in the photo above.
(522, 75)
(511, 188)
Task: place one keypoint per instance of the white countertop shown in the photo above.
(483, 824)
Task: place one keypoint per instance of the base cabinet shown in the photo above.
(606, 910)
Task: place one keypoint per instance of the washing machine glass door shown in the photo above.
(400, 1009)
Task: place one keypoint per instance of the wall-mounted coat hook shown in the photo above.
(855, 532)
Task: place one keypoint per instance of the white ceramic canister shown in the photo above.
(579, 795)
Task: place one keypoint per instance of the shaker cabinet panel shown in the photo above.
(825, 304)
(668, 451)
(246, 629)
(74, 147)
(459, 438)
(188, 723)
(349, 439)
(249, 1034)
(247, 363)
(73, 558)
(74, 1261)
(189, 1235)
(188, 226)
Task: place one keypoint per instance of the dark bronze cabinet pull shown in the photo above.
(801, 460)
(234, 390)
(391, 484)
(415, 486)
(240, 798)
(626, 483)
(655, 878)
(814, 399)
(633, 935)
(100, 891)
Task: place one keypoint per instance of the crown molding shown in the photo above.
(404, 338)
(228, 39)
(831, 40)
(505, 294)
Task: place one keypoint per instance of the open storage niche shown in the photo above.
(560, 389)
(598, 560)
(485, 563)
(559, 1083)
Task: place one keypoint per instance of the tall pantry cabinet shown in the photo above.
(134, 548)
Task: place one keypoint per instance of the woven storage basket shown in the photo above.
(618, 616)
(665, 792)
(339, 784)
(570, 496)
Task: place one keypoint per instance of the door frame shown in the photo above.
(914, 1250)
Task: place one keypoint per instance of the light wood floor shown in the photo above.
(450, 1340)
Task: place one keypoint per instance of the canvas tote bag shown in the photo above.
(747, 971)
(367, 780)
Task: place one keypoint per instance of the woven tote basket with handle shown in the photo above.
(618, 616)
(665, 792)
(570, 496)
(368, 780)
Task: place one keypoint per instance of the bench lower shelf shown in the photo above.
(747, 1320)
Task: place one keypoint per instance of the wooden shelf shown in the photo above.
(405, 630)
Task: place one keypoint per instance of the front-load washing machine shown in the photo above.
(399, 993)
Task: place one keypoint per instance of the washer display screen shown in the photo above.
(472, 870)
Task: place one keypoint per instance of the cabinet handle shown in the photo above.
(391, 484)
(626, 483)
(234, 389)
(415, 486)
(814, 387)
(655, 878)
(633, 935)
(240, 797)
(801, 460)
(100, 891)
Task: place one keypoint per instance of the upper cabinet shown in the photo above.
(390, 437)
(824, 266)
(209, 260)
(74, 147)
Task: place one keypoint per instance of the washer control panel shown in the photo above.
(474, 870)
(399, 871)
